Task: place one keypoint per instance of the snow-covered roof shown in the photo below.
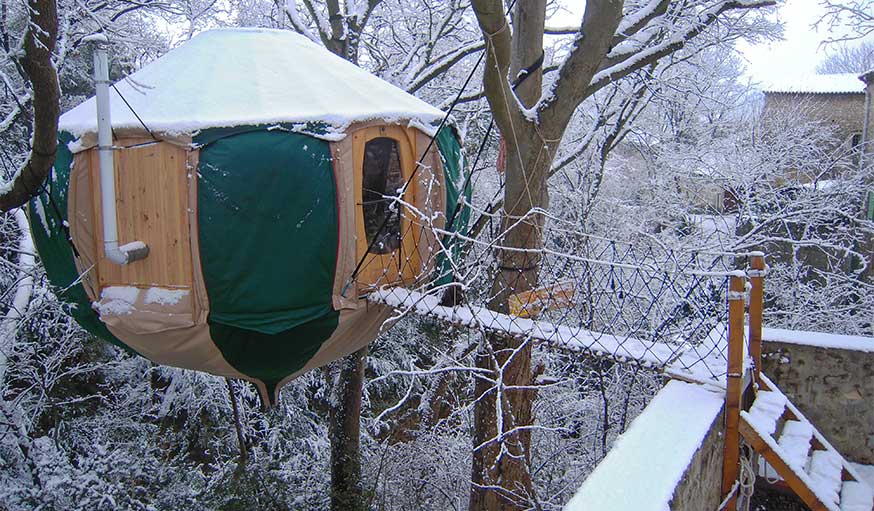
(234, 77)
(817, 84)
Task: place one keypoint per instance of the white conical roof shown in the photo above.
(234, 77)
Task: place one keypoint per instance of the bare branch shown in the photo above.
(496, 31)
(855, 15)
(600, 22)
(568, 30)
(425, 76)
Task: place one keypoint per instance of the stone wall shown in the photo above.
(833, 387)
(701, 486)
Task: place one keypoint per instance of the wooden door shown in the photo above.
(383, 162)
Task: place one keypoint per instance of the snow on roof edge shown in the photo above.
(648, 461)
(844, 83)
(819, 339)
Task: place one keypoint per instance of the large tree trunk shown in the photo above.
(346, 378)
(39, 42)
(501, 474)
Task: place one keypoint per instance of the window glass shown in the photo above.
(381, 180)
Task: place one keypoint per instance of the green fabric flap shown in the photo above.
(270, 358)
(267, 220)
(457, 183)
(55, 250)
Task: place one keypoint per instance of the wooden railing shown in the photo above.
(737, 383)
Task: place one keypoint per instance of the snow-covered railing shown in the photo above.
(680, 312)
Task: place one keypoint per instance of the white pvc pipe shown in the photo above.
(137, 249)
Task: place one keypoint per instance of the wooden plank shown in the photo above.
(152, 204)
(530, 304)
(734, 388)
(757, 304)
(795, 483)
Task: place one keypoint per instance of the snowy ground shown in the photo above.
(819, 339)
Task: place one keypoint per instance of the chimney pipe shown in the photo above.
(136, 250)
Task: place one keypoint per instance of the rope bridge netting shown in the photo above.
(636, 303)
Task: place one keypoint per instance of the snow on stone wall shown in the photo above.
(670, 458)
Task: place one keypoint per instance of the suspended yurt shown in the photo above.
(249, 209)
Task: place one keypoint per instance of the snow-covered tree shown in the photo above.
(614, 41)
(848, 58)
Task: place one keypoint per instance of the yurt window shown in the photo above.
(381, 180)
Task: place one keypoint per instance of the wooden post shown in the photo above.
(757, 306)
(733, 389)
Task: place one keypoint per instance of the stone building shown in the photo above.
(842, 104)
(838, 102)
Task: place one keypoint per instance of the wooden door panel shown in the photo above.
(152, 204)
(403, 264)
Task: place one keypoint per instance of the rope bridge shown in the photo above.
(636, 303)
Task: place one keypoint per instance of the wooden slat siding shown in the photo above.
(152, 201)
(733, 390)
(757, 297)
(795, 483)
(94, 180)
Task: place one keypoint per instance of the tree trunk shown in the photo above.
(37, 64)
(346, 381)
(501, 473)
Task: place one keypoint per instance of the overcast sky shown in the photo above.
(798, 53)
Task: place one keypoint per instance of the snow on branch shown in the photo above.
(291, 10)
(621, 63)
(22, 294)
(429, 71)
